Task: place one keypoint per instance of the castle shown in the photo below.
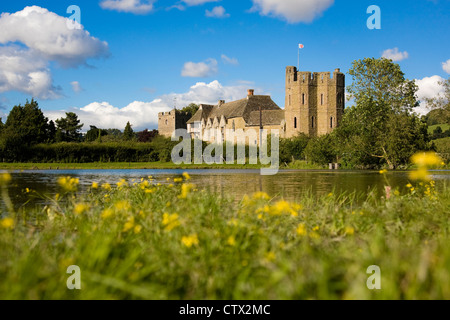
(314, 105)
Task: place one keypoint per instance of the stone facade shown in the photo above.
(314, 105)
(238, 121)
(315, 102)
(168, 122)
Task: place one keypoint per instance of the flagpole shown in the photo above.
(298, 61)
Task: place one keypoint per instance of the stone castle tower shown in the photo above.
(315, 102)
(168, 122)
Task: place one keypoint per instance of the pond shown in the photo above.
(290, 184)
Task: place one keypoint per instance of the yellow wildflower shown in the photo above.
(349, 231)
(7, 223)
(316, 228)
(123, 205)
(301, 230)
(426, 159)
(94, 185)
(107, 213)
(144, 184)
(170, 221)
(231, 241)
(186, 176)
(137, 229)
(80, 208)
(122, 183)
(190, 241)
(178, 180)
(409, 185)
(5, 178)
(106, 186)
(384, 171)
(69, 184)
(420, 174)
(128, 225)
(261, 195)
(186, 188)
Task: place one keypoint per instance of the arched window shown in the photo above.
(295, 123)
(167, 122)
(331, 122)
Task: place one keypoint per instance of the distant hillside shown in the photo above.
(435, 117)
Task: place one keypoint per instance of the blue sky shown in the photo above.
(135, 58)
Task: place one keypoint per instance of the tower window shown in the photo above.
(331, 122)
(289, 99)
(303, 98)
(304, 77)
(312, 122)
(321, 99)
(295, 123)
(167, 122)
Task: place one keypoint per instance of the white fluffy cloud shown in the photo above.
(26, 71)
(47, 34)
(446, 66)
(33, 37)
(293, 11)
(395, 55)
(143, 115)
(132, 6)
(200, 69)
(217, 12)
(429, 87)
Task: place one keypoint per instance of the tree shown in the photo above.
(441, 103)
(95, 134)
(69, 128)
(382, 128)
(128, 133)
(191, 109)
(27, 123)
(147, 136)
(25, 126)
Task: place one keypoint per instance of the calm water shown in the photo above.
(291, 185)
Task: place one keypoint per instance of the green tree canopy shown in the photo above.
(381, 128)
(27, 124)
(191, 109)
(69, 128)
(128, 133)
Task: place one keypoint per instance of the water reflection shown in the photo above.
(291, 185)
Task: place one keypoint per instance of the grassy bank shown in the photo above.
(147, 241)
(118, 165)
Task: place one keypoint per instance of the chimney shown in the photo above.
(251, 93)
(221, 102)
(337, 70)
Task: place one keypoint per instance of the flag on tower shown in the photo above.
(300, 46)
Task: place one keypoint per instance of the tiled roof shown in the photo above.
(269, 118)
(236, 109)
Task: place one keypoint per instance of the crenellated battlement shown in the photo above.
(315, 101)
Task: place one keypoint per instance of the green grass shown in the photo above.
(444, 127)
(118, 165)
(150, 241)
